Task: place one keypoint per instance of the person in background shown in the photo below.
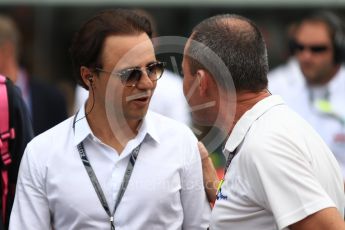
(114, 165)
(15, 125)
(46, 104)
(313, 83)
(15, 132)
(279, 174)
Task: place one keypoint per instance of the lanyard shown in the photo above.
(323, 106)
(228, 162)
(97, 186)
(229, 159)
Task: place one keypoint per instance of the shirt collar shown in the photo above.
(83, 130)
(245, 122)
(81, 127)
(149, 127)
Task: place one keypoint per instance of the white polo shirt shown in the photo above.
(165, 190)
(282, 171)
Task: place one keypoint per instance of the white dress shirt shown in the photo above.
(282, 172)
(165, 190)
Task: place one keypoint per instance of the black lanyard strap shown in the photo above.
(229, 159)
(97, 186)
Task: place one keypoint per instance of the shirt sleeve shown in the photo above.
(30, 209)
(196, 208)
(284, 183)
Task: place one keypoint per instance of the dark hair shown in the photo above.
(88, 41)
(335, 29)
(239, 45)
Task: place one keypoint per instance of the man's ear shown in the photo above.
(85, 74)
(203, 78)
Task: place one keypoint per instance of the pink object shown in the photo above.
(6, 133)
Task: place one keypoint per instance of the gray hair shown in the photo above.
(239, 45)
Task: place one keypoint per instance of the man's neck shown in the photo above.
(115, 132)
(245, 100)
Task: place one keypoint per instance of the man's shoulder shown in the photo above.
(281, 129)
(279, 119)
(54, 136)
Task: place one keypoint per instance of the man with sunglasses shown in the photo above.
(114, 165)
(168, 98)
(313, 83)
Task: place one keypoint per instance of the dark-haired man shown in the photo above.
(279, 174)
(114, 165)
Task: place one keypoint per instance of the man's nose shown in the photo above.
(304, 54)
(145, 82)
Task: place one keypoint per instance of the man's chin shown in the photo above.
(137, 115)
(309, 75)
(312, 79)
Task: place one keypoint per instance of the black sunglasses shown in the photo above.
(314, 49)
(131, 76)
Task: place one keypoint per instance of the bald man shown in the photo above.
(279, 173)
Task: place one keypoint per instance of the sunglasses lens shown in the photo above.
(133, 77)
(155, 70)
(130, 76)
(314, 49)
(318, 49)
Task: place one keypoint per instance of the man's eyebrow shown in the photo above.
(138, 67)
(150, 63)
